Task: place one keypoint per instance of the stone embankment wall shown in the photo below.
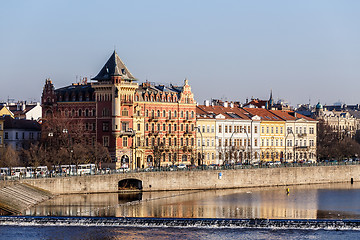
(16, 197)
(212, 179)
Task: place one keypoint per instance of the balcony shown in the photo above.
(171, 120)
(127, 133)
(188, 132)
(301, 147)
(300, 135)
(153, 119)
(127, 102)
(154, 133)
(170, 133)
(188, 119)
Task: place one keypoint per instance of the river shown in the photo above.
(311, 202)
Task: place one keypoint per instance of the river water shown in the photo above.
(311, 202)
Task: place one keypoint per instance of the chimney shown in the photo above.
(226, 104)
(207, 103)
(23, 106)
(231, 104)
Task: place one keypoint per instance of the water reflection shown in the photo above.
(303, 202)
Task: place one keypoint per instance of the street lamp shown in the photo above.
(248, 141)
(202, 150)
(288, 132)
(66, 131)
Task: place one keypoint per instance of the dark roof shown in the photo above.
(113, 67)
(23, 124)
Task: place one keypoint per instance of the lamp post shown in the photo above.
(202, 150)
(66, 131)
(288, 132)
(248, 140)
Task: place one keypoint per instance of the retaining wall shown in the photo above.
(187, 180)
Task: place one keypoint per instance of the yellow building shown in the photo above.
(1, 133)
(4, 111)
(206, 134)
(272, 135)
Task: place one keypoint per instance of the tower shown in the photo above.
(114, 92)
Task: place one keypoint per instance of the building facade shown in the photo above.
(141, 125)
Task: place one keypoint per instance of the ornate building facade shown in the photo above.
(141, 125)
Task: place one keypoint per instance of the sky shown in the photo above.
(232, 50)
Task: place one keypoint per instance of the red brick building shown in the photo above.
(142, 125)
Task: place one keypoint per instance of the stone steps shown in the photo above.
(19, 197)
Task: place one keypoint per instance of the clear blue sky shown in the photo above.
(227, 49)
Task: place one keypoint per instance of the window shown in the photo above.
(219, 142)
(169, 114)
(182, 114)
(272, 129)
(226, 128)
(125, 141)
(164, 113)
(17, 135)
(267, 129)
(105, 141)
(146, 127)
(125, 112)
(255, 129)
(105, 127)
(79, 112)
(219, 128)
(105, 112)
(208, 128)
(255, 142)
(125, 126)
(138, 127)
(277, 130)
(203, 128)
(262, 129)
(212, 128)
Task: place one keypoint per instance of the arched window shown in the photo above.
(164, 113)
(175, 113)
(169, 114)
(192, 114)
(86, 112)
(158, 113)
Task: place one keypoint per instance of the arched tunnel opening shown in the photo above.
(130, 184)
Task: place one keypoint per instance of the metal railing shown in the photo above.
(182, 168)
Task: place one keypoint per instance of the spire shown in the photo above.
(271, 100)
(113, 67)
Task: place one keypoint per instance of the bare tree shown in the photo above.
(10, 157)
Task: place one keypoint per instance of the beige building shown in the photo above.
(340, 121)
(300, 136)
(205, 137)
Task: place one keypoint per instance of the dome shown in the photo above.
(319, 106)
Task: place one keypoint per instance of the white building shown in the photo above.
(19, 133)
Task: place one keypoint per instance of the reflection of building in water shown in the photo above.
(270, 204)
